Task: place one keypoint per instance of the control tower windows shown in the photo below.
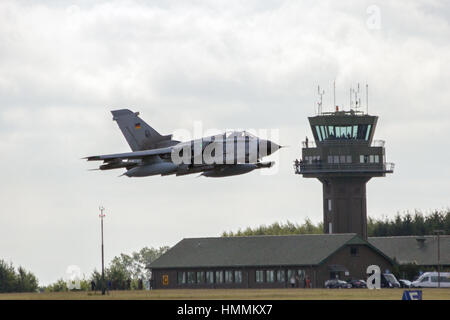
(352, 132)
(318, 133)
(340, 159)
(373, 158)
(368, 131)
(324, 135)
(331, 131)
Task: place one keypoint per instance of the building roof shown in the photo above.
(421, 250)
(254, 250)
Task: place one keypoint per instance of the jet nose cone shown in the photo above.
(272, 147)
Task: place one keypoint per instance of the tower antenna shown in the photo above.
(334, 93)
(357, 98)
(367, 98)
(319, 104)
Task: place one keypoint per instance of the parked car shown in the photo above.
(357, 283)
(430, 280)
(336, 283)
(404, 283)
(388, 280)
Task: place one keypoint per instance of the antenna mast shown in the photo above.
(321, 93)
(357, 99)
(334, 94)
(367, 98)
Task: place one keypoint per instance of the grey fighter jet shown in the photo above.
(227, 154)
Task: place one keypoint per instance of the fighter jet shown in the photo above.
(223, 155)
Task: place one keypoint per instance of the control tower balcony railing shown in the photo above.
(312, 144)
(319, 168)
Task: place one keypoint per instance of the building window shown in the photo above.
(238, 276)
(191, 277)
(270, 276)
(368, 131)
(219, 276)
(372, 158)
(301, 274)
(209, 277)
(354, 251)
(330, 159)
(342, 159)
(349, 159)
(336, 159)
(259, 276)
(377, 158)
(281, 276)
(291, 274)
(329, 204)
(330, 228)
(228, 276)
(318, 133)
(324, 135)
(181, 277)
(200, 277)
(361, 159)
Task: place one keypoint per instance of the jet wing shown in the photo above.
(130, 155)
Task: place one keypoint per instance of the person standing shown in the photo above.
(292, 281)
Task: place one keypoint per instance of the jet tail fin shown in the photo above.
(139, 135)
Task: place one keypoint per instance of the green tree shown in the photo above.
(401, 225)
(59, 286)
(124, 271)
(7, 277)
(278, 228)
(20, 281)
(26, 281)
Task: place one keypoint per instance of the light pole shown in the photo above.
(102, 215)
(438, 232)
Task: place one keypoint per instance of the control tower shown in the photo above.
(344, 157)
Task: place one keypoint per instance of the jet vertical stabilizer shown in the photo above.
(139, 135)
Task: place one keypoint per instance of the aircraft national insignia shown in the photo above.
(137, 125)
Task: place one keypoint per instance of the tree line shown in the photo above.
(124, 272)
(20, 280)
(405, 224)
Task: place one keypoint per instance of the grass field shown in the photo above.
(251, 294)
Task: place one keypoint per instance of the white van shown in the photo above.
(430, 280)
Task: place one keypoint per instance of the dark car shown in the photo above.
(388, 280)
(357, 284)
(336, 284)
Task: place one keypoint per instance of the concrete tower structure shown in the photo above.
(344, 157)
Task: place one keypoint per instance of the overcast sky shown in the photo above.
(229, 64)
